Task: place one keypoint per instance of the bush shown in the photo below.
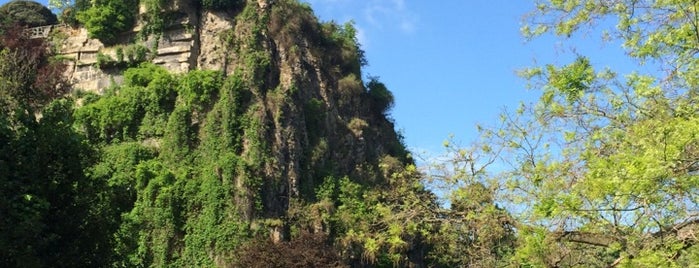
(105, 61)
(349, 89)
(220, 4)
(199, 88)
(350, 86)
(381, 98)
(351, 56)
(68, 13)
(126, 56)
(307, 250)
(106, 19)
(144, 74)
(136, 54)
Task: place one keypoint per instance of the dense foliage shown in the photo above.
(220, 4)
(176, 168)
(306, 250)
(30, 78)
(52, 212)
(107, 19)
(26, 13)
(605, 164)
(252, 167)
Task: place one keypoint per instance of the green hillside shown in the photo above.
(286, 155)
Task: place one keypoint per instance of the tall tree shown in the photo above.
(603, 168)
(30, 79)
(48, 205)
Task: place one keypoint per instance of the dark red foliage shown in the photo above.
(307, 250)
(36, 77)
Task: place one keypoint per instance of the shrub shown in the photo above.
(113, 118)
(199, 88)
(136, 54)
(154, 18)
(381, 98)
(350, 85)
(351, 55)
(126, 56)
(349, 88)
(220, 4)
(105, 61)
(307, 250)
(357, 126)
(144, 74)
(106, 19)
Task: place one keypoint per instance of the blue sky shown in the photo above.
(451, 64)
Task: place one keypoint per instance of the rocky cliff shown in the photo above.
(302, 68)
(289, 113)
(176, 48)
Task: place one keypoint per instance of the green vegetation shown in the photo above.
(203, 168)
(29, 78)
(26, 13)
(604, 162)
(220, 4)
(381, 98)
(68, 10)
(124, 57)
(175, 211)
(185, 170)
(52, 211)
(106, 19)
(155, 18)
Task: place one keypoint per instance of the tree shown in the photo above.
(603, 168)
(307, 250)
(67, 9)
(59, 4)
(381, 98)
(473, 230)
(26, 13)
(30, 79)
(387, 223)
(51, 211)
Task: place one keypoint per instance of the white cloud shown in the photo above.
(371, 17)
(361, 36)
(389, 15)
(384, 15)
(399, 3)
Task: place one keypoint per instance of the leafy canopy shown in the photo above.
(602, 170)
(26, 13)
(106, 19)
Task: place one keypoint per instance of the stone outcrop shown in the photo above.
(82, 68)
(177, 49)
(191, 41)
(315, 117)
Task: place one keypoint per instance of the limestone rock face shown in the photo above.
(82, 70)
(316, 116)
(194, 39)
(176, 50)
(212, 52)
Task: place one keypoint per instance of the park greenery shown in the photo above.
(184, 170)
